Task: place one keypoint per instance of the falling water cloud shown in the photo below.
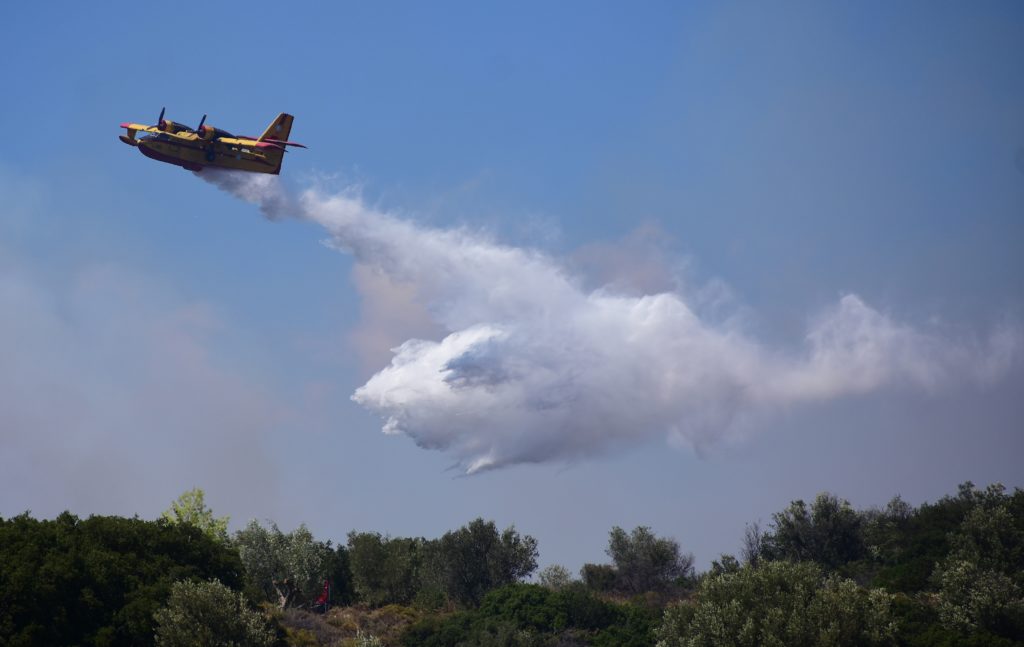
(531, 367)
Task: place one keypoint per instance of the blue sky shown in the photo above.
(158, 334)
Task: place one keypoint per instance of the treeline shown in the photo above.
(823, 573)
(946, 573)
(99, 581)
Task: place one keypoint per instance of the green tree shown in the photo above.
(992, 533)
(753, 544)
(385, 570)
(98, 581)
(339, 571)
(981, 581)
(209, 614)
(477, 558)
(555, 577)
(779, 603)
(598, 577)
(885, 530)
(972, 598)
(726, 563)
(909, 544)
(644, 562)
(191, 508)
(287, 568)
(829, 533)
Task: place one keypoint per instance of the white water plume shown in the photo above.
(530, 367)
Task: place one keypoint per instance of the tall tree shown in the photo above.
(477, 558)
(981, 581)
(829, 533)
(191, 508)
(645, 562)
(385, 570)
(288, 568)
(753, 543)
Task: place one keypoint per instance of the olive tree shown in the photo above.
(385, 570)
(972, 598)
(210, 614)
(477, 558)
(287, 567)
(645, 562)
(778, 603)
(829, 532)
(555, 577)
(981, 581)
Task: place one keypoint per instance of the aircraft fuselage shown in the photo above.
(195, 155)
(174, 143)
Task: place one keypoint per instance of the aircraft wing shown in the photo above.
(249, 143)
(141, 128)
(267, 140)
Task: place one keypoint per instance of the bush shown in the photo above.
(779, 603)
(972, 599)
(528, 614)
(210, 614)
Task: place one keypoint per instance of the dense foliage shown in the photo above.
(945, 574)
(475, 559)
(959, 561)
(532, 615)
(460, 567)
(385, 570)
(555, 577)
(779, 603)
(829, 533)
(210, 614)
(645, 562)
(190, 508)
(98, 581)
(287, 568)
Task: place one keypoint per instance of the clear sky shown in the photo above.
(754, 163)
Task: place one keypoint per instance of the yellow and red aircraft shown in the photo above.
(193, 150)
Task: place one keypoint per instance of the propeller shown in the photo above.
(199, 129)
(160, 123)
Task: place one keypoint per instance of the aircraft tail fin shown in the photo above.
(279, 129)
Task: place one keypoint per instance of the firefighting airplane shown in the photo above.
(193, 150)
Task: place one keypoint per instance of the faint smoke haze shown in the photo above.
(529, 366)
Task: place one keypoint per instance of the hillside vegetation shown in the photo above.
(820, 573)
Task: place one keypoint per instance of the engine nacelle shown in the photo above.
(168, 126)
(210, 133)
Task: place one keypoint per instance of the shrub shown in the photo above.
(210, 614)
(779, 603)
